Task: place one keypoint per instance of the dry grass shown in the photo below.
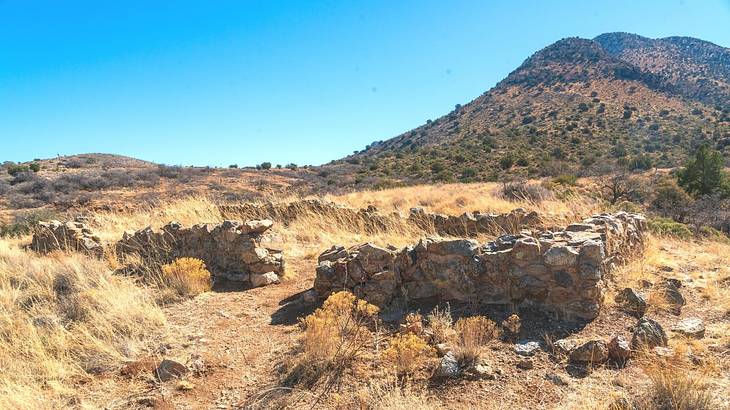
(440, 323)
(186, 276)
(472, 335)
(407, 353)
(64, 317)
(391, 396)
(455, 199)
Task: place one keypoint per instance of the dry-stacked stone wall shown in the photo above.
(559, 271)
(65, 236)
(370, 220)
(231, 250)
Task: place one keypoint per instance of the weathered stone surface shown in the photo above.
(169, 369)
(593, 352)
(561, 272)
(263, 279)
(669, 289)
(525, 364)
(692, 327)
(619, 349)
(527, 348)
(69, 236)
(448, 367)
(632, 302)
(563, 347)
(647, 334)
(231, 250)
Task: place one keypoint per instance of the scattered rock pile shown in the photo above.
(558, 271)
(231, 250)
(372, 221)
(69, 236)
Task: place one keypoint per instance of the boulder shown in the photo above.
(591, 352)
(563, 347)
(669, 289)
(692, 327)
(526, 348)
(648, 334)
(632, 302)
(170, 369)
(561, 256)
(263, 279)
(619, 349)
(448, 367)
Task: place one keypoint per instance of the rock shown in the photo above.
(442, 349)
(647, 334)
(693, 327)
(561, 256)
(593, 352)
(578, 227)
(556, 379)
(263, 279)
(525, 364)
(169, 369)
(670, 291)
(563, 347)
(310, 297)
(448, 367)
(527, 348)
(481, 370)
(258, 226)
(632, 302)
(619, 349)
(512, 326)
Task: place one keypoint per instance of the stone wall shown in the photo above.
(561, 271)
(231, 250)
(65, 236)
(371, 221)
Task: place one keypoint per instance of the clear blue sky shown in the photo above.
(219, 82)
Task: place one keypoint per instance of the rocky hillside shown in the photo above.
(577, 106)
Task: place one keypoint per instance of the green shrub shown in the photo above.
(668, 227)
(566, 179)
(704, 173)
(35, 167)
(17, 169)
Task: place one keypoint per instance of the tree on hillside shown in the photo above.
(704, 173)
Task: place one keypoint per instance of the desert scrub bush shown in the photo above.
(23, 223)
(332, 338)
(668, 227)
(440, 324)
(63, 318)
(186, 276)
(472, 335)
(672, 389)
(407, 353)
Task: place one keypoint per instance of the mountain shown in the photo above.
(577, 106)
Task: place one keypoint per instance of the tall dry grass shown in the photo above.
(455, 199)
(63, 318)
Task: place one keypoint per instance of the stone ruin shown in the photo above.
(562, 272)
(371, 221)
(231, 250)
(65, 236)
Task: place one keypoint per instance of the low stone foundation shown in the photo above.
(562, 271)
(65, 236)
(231, 250)
(371, 221)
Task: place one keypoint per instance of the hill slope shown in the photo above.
(576, 106)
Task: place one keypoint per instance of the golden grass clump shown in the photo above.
(441, 324)
(472, 335)
(338, 330)
(673, 388)
(407, 353)
(389, 395)
(64, 317)
(186, 276)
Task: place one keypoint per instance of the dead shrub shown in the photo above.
(407, 353)
(186, 276)
(672, 389)
(440, 323)
(523, 191)
(472, 335)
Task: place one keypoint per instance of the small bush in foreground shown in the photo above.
(472, 335)
(668, 227)
(440, 323)
(671, 389)
(407, 353)
(187, 276)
